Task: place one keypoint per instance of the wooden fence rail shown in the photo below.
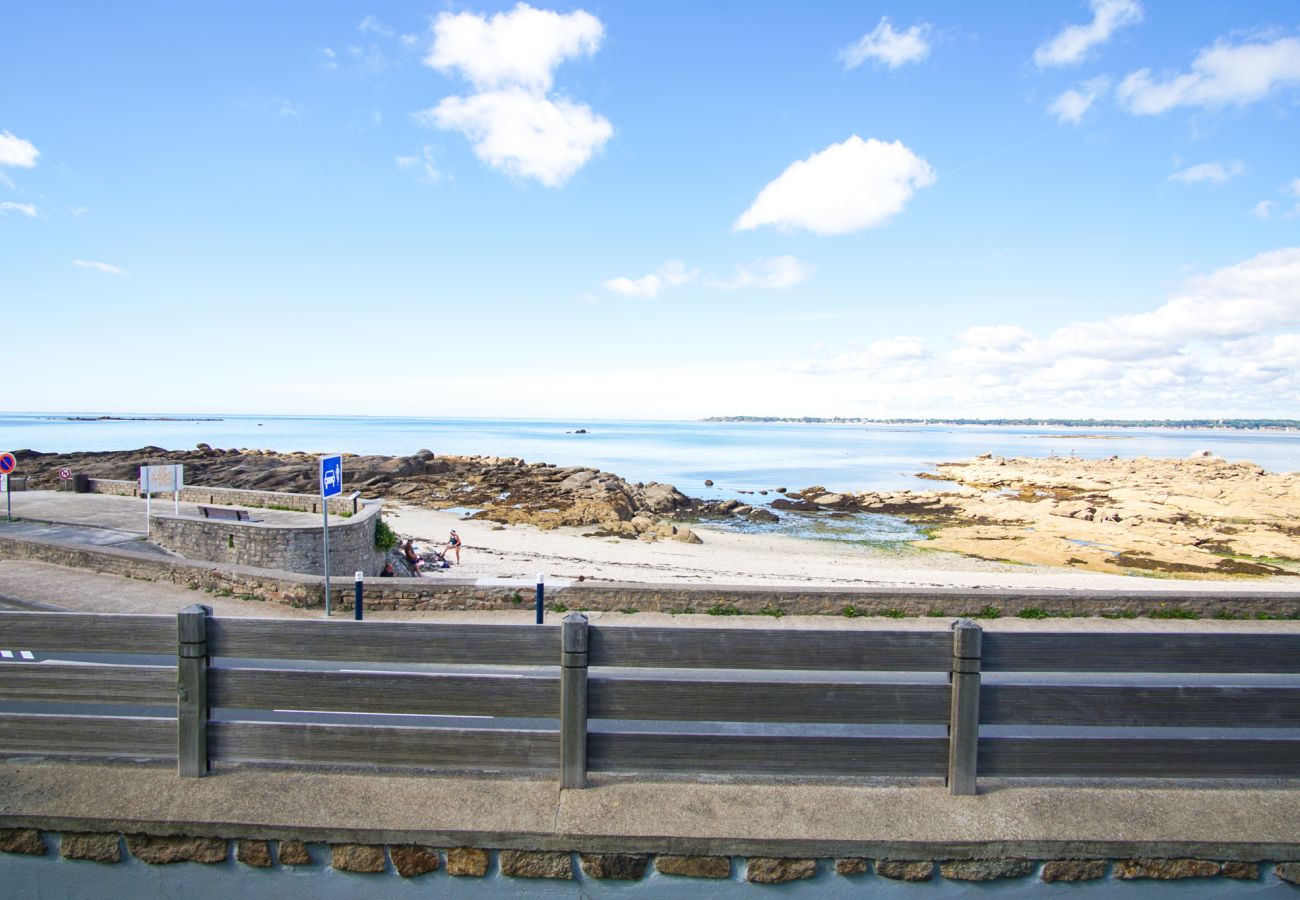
(722, 701)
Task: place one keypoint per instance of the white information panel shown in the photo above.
(161, 479)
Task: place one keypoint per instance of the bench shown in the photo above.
(220, 512)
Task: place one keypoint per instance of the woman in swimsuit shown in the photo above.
(453, 543)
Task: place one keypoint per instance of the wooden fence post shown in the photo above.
(192, 690)
(573, 702)
(964, 720)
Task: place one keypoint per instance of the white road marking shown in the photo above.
(26, 654)
(7, 654)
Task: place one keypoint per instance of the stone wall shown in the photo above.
(299, 857)
(339, 506)
(269, 545)
(446, 592)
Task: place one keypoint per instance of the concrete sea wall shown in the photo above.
(339, 505)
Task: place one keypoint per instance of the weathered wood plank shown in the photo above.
(397, 692)
(765, 755)
(395, 642)
(293, 743)
(116, 736)
(88, 632)
(50, 683)
(1141, 652)
(1138, 757)
(745, 648)
(766, 701)
(1124, 705)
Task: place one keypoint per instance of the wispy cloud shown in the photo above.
(14, 151)
(25, 209)
(889, 47)
(1212, 172)
(106, 268)
(1073, 43)
(424, 163)
(371, 25)
(1073, 104)
(774, 273)
(847, 187)
(671, 274)
(1225, 74)
(771, 273)
(1268, 209)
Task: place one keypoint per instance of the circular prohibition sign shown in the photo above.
(7, 463)
(65, 474)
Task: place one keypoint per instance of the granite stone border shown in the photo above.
(414, 860)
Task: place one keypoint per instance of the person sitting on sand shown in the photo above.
(453, 543)
(408, 551)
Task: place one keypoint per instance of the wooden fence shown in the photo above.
(919, 691)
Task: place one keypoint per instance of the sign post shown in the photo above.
(331, 484)
(4, 486)
(7, 465)
(161, 479)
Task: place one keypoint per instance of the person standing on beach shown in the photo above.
(453, 543)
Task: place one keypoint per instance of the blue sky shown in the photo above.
(663, 210)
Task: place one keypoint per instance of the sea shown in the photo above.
(738, 457)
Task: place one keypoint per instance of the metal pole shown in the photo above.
(9, 509)
(176, 489)
(325, 535)
(356, 604)
(541, 597)
(573, 701)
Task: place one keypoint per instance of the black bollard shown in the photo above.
(356, 606)
(541, 598)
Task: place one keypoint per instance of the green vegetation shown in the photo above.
(988, 612)
(1122, 614)
(557, 607)
(723, 609)
(938, 614)
(850, 612)
(630, 611)
(385, 537)
(772, 611)
(1174, 612)
(516, 598)
(1033, 612)
(893, 613)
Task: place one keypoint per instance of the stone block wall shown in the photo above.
(267, 545)
(339, 506)
(321, 854)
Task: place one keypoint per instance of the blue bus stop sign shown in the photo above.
(331, 475)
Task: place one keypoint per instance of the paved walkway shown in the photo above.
(124, 514)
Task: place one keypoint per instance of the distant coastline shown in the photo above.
(125, 419)
(1220, 424)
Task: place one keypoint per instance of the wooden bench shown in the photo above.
(220, 512)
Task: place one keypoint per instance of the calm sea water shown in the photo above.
(735, 456)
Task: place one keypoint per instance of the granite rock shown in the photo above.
(160, 850)
(467, 862)
(22, 840)
(537, 864)
(364, 858)
(411, 860)
(771, 870)
(105, 847)
(694, 866)
(614, 866)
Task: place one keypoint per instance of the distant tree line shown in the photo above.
(1241, 424)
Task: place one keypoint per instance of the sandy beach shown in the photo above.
(564, 554)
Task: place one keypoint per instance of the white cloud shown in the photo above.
(80, 211)
(846, 187)
(14, 151)
(329, 57)
(671, 274)
(285, 109)
(524, 134)
(1293, 188)
(1225, 342)
(425, 163)
(1266, 209)
(521, 47)
(1225, 74)
(97, 266)
(371, 25)
(26, 209)
(1072, 44)
(890, 47)
(773, 273)
(1213, 172)
(1263, 209)
(515, 124)
(1071, 105)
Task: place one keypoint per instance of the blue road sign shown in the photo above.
(331, 475)
(7, 463)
